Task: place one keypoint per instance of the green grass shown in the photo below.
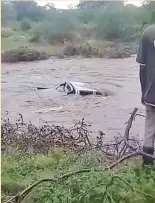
(19, 171)
(15, 42)
(14, 39)
(8, 44)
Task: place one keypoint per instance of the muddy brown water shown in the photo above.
(120, 76)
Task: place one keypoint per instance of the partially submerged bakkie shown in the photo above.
(78, 88)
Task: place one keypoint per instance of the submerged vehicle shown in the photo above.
(78, 88)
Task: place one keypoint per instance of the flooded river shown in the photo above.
(120, 76)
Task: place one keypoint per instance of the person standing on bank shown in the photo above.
(146, 59)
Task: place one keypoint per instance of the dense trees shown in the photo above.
(8, 13)
(109, 19)
(95, 4)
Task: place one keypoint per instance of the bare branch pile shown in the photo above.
(29, 138)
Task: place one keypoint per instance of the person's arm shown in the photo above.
(142, 76)
(142, 52)
(141, 59)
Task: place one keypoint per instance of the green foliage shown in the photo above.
(6, 32)
(127, 185)
(95, 4)
(115, 25)
(86, 15)
(59, 29)
(107, 21)
(10, 43)
(28, 9)
(35, 38)
(25, 25)
(23, 54)
(8, 13)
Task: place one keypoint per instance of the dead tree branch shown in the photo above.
(127, 129)
(134, 154)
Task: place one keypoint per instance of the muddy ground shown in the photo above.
(119, 76)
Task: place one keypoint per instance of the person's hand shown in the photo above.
(142, 99)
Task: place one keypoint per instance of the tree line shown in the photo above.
(110, 20)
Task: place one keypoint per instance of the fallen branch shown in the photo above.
(127, 129)
(86, 191)
(130, 186)
(19, 197)
(134, 154)
(77, 138)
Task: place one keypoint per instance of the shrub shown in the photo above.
(114, 25)
(118, 53)
(35, 33)
(85, 50)
(35, 37)
(57, 30)
(23, 54)
(86, 15)
(6, 32)
(25, 25)
(8, 13)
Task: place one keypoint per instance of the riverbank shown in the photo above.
(128, 184)
(63, 165)
(13, 51)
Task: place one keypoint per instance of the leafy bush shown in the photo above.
(118, 52)
(114, 25)
(35, 36)
(23, 54)
(86, 15)
(56, 31)
(8, 13)
(25, 25)
(5, 32)
(85, 50)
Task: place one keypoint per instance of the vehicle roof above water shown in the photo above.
(81, 86)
